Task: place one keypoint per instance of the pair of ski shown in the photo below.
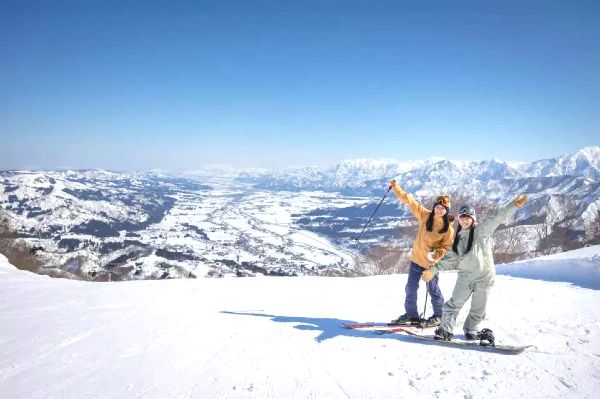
(384, 328)
(413, 331)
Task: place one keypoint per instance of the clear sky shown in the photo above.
(171, 84)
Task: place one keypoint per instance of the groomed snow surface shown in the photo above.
(580, 267)
(282, 338)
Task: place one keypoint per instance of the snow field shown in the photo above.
(282, 337)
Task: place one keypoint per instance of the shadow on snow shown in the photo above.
(332, 328)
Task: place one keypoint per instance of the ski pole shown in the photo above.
(373, 214)
(423, 321)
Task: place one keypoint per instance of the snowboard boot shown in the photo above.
(471, 336)
(433, 321)
(406, 320)
(442, 335)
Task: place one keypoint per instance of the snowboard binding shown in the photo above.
(486, 337)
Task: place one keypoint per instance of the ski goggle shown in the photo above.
(466, 210)
(443, 199)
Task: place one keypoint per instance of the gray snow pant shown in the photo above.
(462, 291)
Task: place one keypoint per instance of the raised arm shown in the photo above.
(418, 210)
(489, 226)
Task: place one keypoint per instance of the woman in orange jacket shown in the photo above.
(434, 237)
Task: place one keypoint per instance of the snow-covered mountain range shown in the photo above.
(364, 176)
(302, 221)
(568, 181)
(101, 224)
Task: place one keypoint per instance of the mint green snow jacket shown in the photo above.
(477, 266)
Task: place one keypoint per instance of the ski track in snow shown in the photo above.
(282, 337)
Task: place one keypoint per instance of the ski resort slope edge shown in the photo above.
(283, 338)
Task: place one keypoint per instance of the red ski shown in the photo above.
(364, 325)
(381, 327)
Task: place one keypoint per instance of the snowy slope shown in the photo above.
(281, 338)
(580, 267)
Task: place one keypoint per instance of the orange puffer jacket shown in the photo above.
(426, 241)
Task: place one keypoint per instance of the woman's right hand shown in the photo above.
(393, 185)
(520, 200)
(427, 275)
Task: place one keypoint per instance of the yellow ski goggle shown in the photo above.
(443, 199)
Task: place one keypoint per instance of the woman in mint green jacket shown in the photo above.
(472, 253)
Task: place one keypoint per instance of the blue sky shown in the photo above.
(171, 85)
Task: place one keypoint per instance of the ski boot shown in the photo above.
(406, 320)
(433, 321)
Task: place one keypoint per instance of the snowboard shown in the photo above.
(472, 345)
